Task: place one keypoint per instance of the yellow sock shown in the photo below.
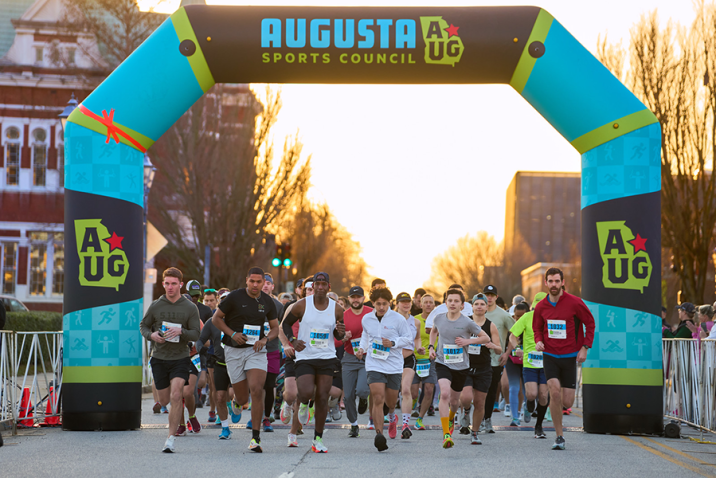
(446, 424)
(452, 415)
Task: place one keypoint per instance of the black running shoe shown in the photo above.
(431, 411)
(539, 433)
(559, 443)
(464, 430)
(362, 405)
(354, 432)
(380, 442)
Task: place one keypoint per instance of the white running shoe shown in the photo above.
(286, 413)
(292, 441)
(507, 412)
(303, 415)
(169, 445)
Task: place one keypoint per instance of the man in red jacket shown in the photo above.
(558, 323)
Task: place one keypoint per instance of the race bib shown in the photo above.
(166, 326)
(535, 359)
(423, 368)
(452, 353)
(474, 349)
(319, 338)
(196, 360)
(252, 333)
(379, 351)
(557, 329)
(356, 345)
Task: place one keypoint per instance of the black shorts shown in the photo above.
(338, 376)
(479, 378)
(164, 371)
(289, 368)
(221, 377)
(563, 369)
(210, 361)
(316, 367)
(456, 377)
(410, 362)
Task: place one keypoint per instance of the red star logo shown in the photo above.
(638, 243)
(115, 241)
(452, 30)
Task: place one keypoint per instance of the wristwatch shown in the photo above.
(431, 346)
(392, 343)
(586, 347)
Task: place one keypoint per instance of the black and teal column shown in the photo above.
(620, 143)
(105, 141)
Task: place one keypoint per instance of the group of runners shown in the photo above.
(389, 355)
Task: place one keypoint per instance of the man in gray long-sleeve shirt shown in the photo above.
(171, 322)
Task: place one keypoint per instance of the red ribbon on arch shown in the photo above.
(112, 129)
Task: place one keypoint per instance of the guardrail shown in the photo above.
(690, 381)
(30, 378)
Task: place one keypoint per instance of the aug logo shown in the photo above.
(443, 45)
(626, 264)
(103, 262)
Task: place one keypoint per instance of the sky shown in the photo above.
(439, 158)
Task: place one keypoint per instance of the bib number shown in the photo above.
(356, 345)
(379, 351)
(423, 368)
(535, 359)
(319, 338)
(196, 360)
(169, 325)
(452, 353)
(557, 329)
(252, 333)
(474, 349)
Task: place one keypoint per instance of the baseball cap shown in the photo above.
(687, 307)
(479, 296)
(419, 291)
(357, 291)
(321, 276)
(403, 296)
(299, 283)
(193, 287)
(285, 295)
(224, 294)
(489, 289)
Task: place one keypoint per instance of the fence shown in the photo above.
(30, 378)
(690, 381)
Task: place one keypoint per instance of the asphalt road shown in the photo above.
(509, 452)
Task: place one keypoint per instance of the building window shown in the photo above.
(39, 54)
(39, 157)
(58, 269)
(12, 156)
(9, 267)
(38, 262)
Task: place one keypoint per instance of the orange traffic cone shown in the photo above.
(50, 421)
(26, 408)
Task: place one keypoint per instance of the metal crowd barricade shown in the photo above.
(690, 381)
(37, 378)
(8, 389)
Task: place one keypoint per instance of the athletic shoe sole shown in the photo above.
(406, 434)
(448, 443)
(255, 448)
(473, 442)
(157, 408)
(380, 442)
(362, 405)
(464, 430)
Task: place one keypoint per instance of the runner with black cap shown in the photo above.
(321, 320)
(241, 317)
(416, 308)
(355, 382)
(503, 321)
(404, 302)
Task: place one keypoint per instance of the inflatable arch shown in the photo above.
(618, 137)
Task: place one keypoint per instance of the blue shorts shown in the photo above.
(534, 375)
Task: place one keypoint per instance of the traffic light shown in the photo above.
(287, 262)
(278, 258)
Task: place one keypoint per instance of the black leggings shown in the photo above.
(492, 393)
(268, 387)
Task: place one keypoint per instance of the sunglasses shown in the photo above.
(210, 291)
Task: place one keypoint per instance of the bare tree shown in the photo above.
(320, 243)
(472, 262)
(118, 26)
(672, 70)
(217, 183)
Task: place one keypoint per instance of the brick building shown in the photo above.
(41, 65)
